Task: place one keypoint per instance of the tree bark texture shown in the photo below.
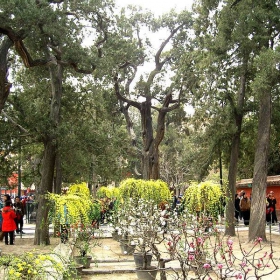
(231, 190)
(151, 142)
(4, 84)
(150, 152)
(258, 203)
(42, 225)
(48, 163)
(147, 139)
(58, 174)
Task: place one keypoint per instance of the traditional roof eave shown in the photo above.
(271, 181)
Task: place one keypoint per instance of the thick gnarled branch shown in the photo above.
(10, 119)
(120, 96)
(17, 39)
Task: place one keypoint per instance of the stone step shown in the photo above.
(111, 267)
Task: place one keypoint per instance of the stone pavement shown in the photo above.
(109, 260)
(110, 263)
(29, 231)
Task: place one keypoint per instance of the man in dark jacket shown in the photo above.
(237, 208)
(20, 211)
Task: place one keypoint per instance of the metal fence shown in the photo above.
(31, 212)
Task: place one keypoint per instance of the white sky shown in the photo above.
(158, 6)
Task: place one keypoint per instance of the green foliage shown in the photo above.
(95, 210)
(267, 64)
(204, 197)
(86, 135)
(157, 191)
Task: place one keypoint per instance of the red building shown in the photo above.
(11, 192)
(12, 188)
(273, 184)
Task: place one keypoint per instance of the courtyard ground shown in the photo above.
(111, 264)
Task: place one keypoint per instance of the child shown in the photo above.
(8, 225)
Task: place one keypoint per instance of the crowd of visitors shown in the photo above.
(243, 208)
(12, 212)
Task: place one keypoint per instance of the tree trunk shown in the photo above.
(4, 85)
(231, 190)
(48, 164)
(150, 163)
(58, 174)
(259, 184)
(148, 139)
(42, 225)
(150, 153)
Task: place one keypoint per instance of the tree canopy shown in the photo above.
(75, 105)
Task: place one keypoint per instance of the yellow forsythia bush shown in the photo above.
(155, 190)
(108, 192)
(203, 197)
(74, 206)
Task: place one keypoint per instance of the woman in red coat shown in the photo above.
(8, 225)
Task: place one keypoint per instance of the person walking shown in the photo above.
(6, 197)
(174, 201)
(245, 206)
(8, 225)
(237, 208)
(240, 197)
(1, 220)
(274, 217)
(20, 212)
(271, 208)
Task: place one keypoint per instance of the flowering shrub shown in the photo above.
(212, 255)
(33, 266)
(142, 221)
(136, 216)
(76, 218)
(124, 218)
(83, 238)
(108, 192)
(195, 241)
(74, 206)
(135, 197)
(204, 197)
(156, 191)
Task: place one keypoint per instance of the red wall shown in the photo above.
(275, 189)
(13, 192)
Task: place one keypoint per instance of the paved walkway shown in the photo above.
(109, 260)
(29, 230)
